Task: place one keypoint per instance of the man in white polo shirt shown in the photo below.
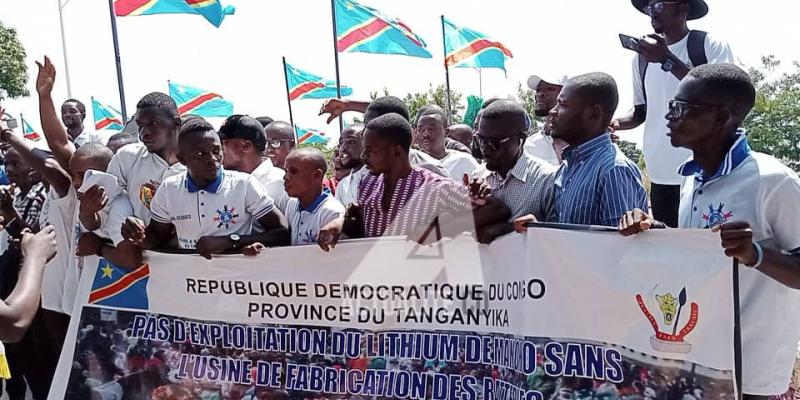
(73, 115)
(209, 209)
(541, 144)
(141, 167)
(752, 200)
(244, 141)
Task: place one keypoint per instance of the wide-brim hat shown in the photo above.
(697, 8)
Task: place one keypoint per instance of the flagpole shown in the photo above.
(118, 60)
(289, 99)
(480, 83)
(64, 45)
(335, 60)
(446, 71)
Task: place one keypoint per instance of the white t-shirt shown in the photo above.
(272, 179)
(765, 193)
(90, 136)
(662, 159)
(228, 205)
(421, 159)
(134, 166)
(306, 223)
(347, 189)
(61, 276)
(541, 146)
(459, 163)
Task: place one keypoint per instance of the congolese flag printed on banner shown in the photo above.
(468, 48)
(364, 29)
(106, 117)
(309, 136)
(212, 10)
(305, 85)
(533, 316)
(28, 132)
(199, 102)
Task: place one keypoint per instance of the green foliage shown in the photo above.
(438, 96)
(774, 123)
(13, 72)
(630, 150)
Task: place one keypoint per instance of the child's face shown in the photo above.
(301, 176)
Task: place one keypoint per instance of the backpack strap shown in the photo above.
(697, 48)
(642, 72)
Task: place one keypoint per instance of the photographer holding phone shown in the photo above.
(663, 59)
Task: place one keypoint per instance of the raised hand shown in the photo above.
(94, 200)
(46, 77)
(334, 107)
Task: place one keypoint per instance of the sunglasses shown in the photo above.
(494, 144)
(658, 8)
(679, 108)
(276, 143)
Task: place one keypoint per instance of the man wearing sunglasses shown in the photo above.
(280, 142)
(752, 200)
(663, 59)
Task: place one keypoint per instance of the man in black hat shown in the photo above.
(663, 59)
(244, 140)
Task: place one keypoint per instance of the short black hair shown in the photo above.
(432, 109)
(312, 154)
(95, 151)
(394, 128)
(509, 111)
(264, 121)
(597, 88)
(357, 127)
(728, 84)
(81, 107)
(385, 105)
(124, 136)
(489, 102)
(161, 101)
(192, 126)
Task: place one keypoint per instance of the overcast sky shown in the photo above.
(242, 59)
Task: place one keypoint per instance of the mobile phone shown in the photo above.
(10, 121)
(629, 42)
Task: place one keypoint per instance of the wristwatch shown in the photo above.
(235, 240)
(667, 65)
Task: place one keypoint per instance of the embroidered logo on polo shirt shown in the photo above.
(226, 217)
(146, 194)
(716, 216)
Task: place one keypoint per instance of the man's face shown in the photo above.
(350, 145)
(697, 123)
(567, 117)
(78, 165)
(17, 169)
(202, 154)
(667, 14)
(461, 133)
(546, 95)
(498, 142)
(156, 128)
(301, 176)
(430, 134)
(278, 147)
(233, 150)
(71, 116)
(377, 153)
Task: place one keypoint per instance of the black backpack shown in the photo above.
(696, 45)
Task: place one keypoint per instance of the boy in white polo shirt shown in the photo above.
(310, 207)
(752, 200)
(210, 209)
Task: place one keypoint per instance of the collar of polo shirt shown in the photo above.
(212, 187)
(735, 156)
(315, 204)
(585, 149)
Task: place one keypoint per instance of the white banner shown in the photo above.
(549, 313)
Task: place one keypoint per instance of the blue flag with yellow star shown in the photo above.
(115, 286)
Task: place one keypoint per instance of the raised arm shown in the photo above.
(54, 132)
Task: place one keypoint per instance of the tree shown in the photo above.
(13, 72)
(774, 122)
(438, 96)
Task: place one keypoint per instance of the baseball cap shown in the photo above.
(243, 127)
(535, 80)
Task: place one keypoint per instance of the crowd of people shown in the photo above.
(171, 181)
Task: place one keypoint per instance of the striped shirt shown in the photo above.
(597, 184)
(526, 189)
(417, 200)
(30, 206)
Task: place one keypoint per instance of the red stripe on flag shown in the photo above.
(127, 7)
(358, 35)
(475, 48)
(106, 122)
(305, 137)
(197, 102)
(304, 88)
(115, 288)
